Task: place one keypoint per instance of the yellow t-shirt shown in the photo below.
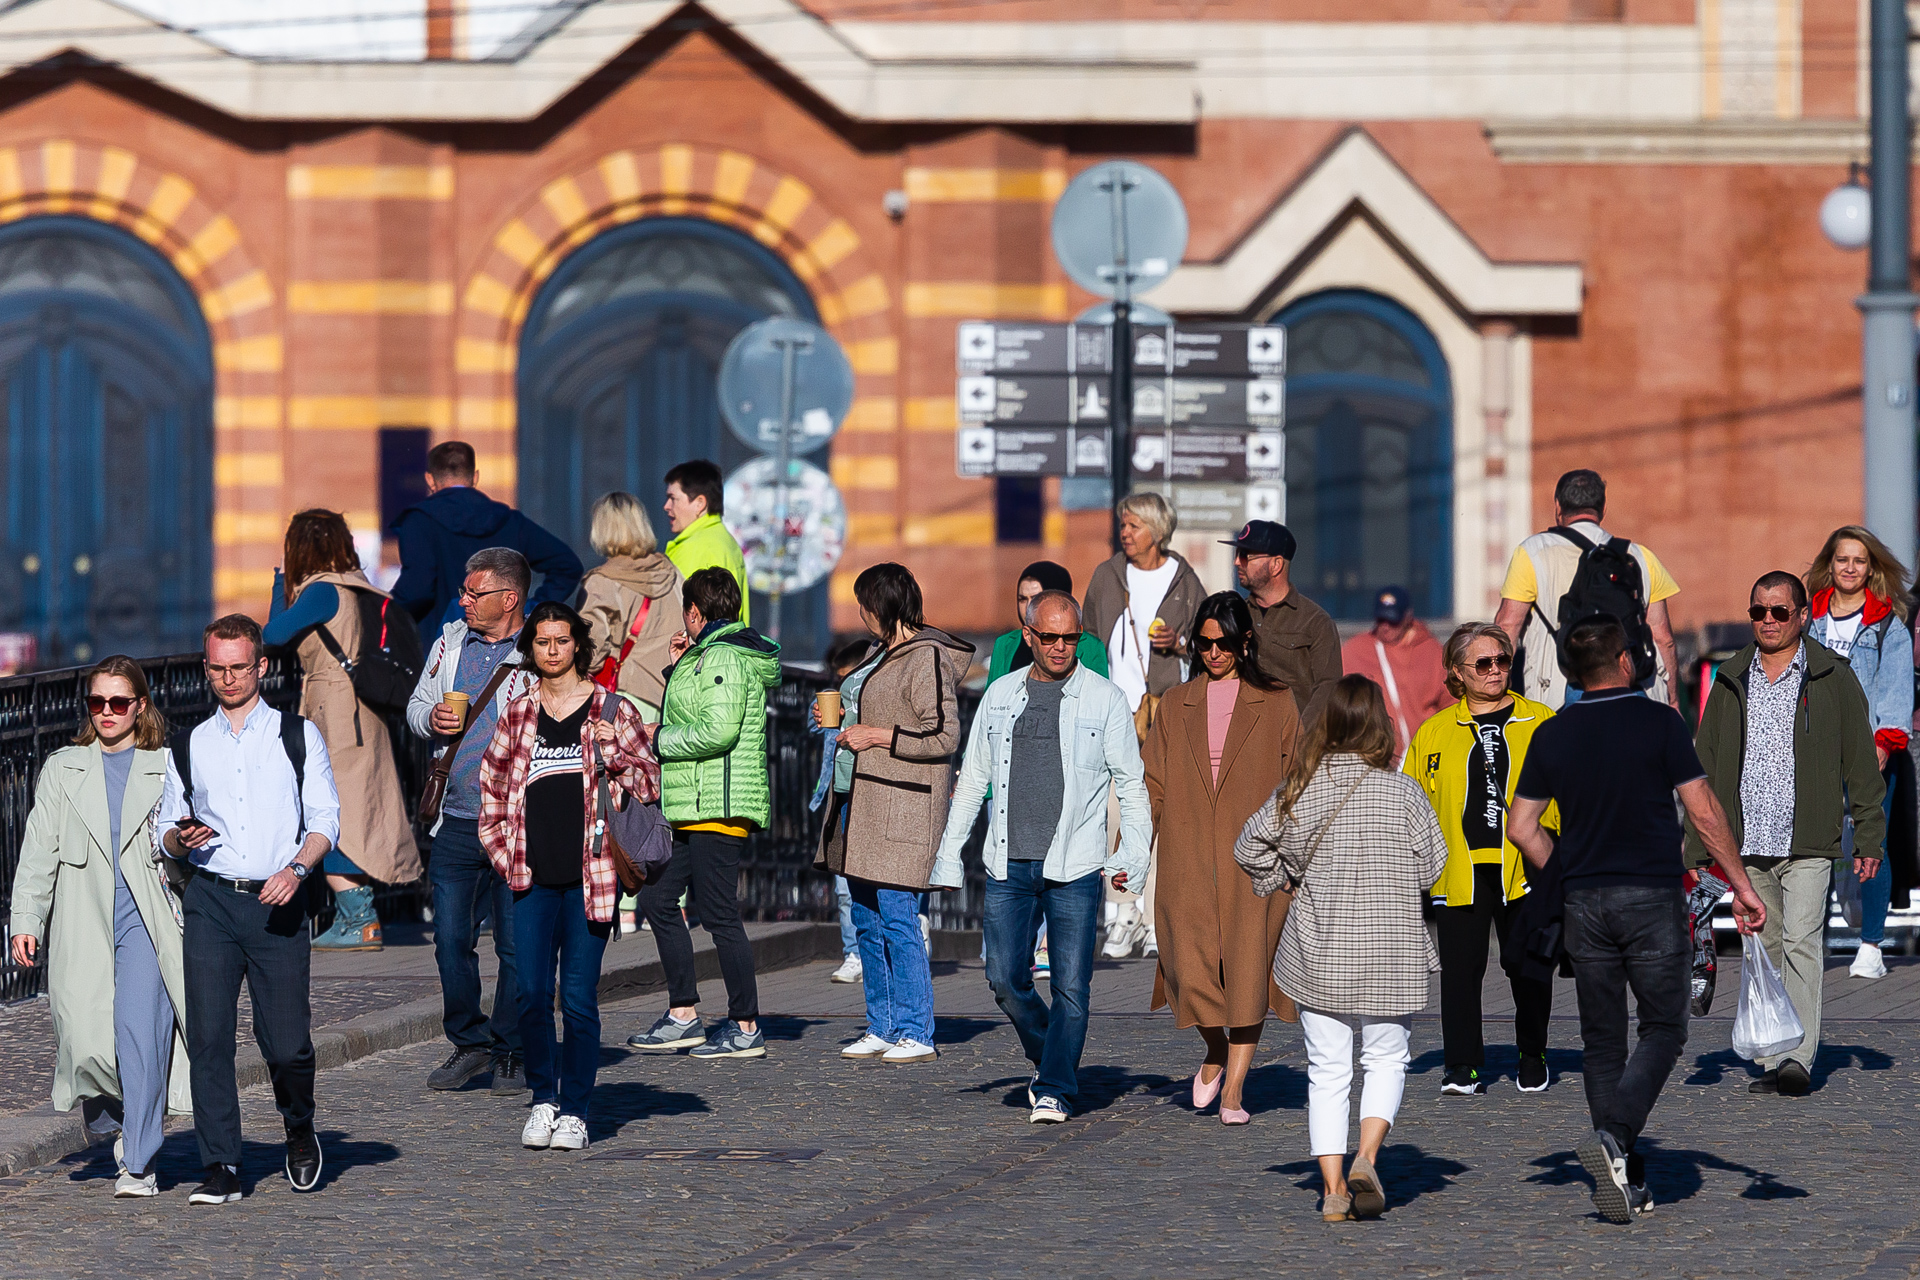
(1551, 557)
(1523, 584)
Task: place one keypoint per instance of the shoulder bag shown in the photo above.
(1286, 1009)
(608, 676)
(434, 793)
(637, 839)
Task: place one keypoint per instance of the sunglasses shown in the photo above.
(118, 706)
(1487, 666)
(1203, 643)
(1778, 612)
(1048, 639)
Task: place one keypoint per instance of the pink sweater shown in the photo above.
(1221, 695)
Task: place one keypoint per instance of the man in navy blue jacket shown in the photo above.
(456, 519)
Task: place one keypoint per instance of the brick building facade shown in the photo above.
(1565, 232)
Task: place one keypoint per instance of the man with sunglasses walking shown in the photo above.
(1067, 735)
(1787, 742)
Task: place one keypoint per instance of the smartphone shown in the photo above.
(189, 824)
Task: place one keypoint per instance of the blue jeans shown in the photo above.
(1876, 894)
(843, 899)
(552, 933)
(1052, 1038)
(893, 962)
(463, 882)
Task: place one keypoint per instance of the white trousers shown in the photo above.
(1383, 1059)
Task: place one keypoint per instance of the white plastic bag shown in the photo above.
(1766, 1023)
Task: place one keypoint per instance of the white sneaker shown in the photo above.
(128, 1187)
(1868, 963)
(909, 1051)
(1048, 1110)
(1122, 937)
(849, 970)
(538, 1135)
(120, 1155)
(867, 1046)
(570, 1134)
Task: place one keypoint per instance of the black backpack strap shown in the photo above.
(293, 740)
(182, 747)
(1579, 540)
(333, 647)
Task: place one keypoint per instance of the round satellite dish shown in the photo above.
(751, 374)
(1119, 229)
(815, 534)
(1139, 312)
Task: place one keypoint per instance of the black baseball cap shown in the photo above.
(1264, 538)
(1392, 605)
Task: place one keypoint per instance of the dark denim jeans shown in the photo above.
(893, 962)
(1621, 937)
(553, 934)
(708, 862)
(464, 882)
(1052, 1038)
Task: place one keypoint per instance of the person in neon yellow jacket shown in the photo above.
(695, 500)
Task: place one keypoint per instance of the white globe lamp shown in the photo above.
(1846, 215)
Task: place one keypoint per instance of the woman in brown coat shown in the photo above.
(321, 577)
(631, 602)
(892, 783)
(1220, 746)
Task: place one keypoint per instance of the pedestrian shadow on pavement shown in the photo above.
(1712, 1068)
(178, 1162)
(618, 1103)
(1100, 1088)
(1673, 1173)
(1406, 1170)
(950, 1030)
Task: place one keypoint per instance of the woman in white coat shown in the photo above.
(92, 904)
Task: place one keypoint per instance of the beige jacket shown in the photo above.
(610, 601)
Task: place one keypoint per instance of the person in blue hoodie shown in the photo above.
(456, 519)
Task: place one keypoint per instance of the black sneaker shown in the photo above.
(1600, 1153)
(461, 1066)
(509, 1076)
(221, 1187)
(1794, 1080)
(1463, 1081)
(1769, 1082)
(1533, 1075)
(303, 1158)
(1639, 1199)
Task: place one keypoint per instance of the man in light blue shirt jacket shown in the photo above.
(1030, 874)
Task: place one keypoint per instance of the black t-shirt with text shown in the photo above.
(556, 810)
(1483, 820)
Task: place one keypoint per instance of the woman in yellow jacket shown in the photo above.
(1467, 758)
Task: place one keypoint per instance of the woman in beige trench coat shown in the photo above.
(90, 903)
(1220, 746)
(322, 575)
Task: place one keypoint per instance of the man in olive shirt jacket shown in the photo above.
(1298, 644)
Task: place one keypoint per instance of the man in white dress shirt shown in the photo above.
(257, 823)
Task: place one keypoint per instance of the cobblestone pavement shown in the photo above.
(933, 1170)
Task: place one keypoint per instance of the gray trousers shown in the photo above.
(1794, 891)
(142, 1044)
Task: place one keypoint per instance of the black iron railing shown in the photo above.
(39, 713)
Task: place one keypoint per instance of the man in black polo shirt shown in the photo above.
(1612, 761)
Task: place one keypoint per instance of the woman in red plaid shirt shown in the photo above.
(539, 822)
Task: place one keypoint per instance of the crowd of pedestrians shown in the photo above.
(1288, 826)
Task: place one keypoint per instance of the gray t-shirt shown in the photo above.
(1033, 805)
(126, 915)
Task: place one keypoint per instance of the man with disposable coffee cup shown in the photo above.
(472, 672)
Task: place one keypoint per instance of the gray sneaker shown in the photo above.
(509, 1076)
(461, 1066)
(668, 1034)
(731, 1042)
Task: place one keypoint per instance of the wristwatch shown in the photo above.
(300, 870)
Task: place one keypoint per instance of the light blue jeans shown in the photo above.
(843, 899)
(893, 962)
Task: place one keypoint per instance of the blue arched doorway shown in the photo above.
(618, 363)
(107, 376)
(1369, 453)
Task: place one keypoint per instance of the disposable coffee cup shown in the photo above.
(826, 705)
(458, 701)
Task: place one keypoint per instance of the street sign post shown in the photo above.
(785, 387)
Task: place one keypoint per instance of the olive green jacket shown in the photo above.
(712, 741)
(1835, 770)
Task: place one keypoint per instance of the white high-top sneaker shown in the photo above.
(1124, 934)
(1868, 962)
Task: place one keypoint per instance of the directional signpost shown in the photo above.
(785, 387)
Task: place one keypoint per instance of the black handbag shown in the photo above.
(637, 838)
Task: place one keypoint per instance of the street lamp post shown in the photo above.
(1887, 365)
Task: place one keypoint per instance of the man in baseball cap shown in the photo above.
(1402, 657)
(1298, 644)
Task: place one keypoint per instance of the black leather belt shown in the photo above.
(238, 886)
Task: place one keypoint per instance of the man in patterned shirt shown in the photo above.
(1787, 742)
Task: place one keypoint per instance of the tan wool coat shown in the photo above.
(375, 830)
(610, 602)
(1216, 936)
(887, 827)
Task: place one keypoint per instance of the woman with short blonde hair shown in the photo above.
(631, 603)
(620, 527)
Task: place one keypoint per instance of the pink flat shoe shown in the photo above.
(1204, 1094)
(1231, 1115)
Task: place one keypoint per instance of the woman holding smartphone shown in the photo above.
(91, 902)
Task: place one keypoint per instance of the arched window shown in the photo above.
(106, 373)
(618, 366)
(1369, 454)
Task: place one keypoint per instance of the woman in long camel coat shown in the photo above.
(1221, 744)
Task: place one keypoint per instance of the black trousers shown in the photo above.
(1623, 937)
(710, 862)
(230, 936)
(1461, 937)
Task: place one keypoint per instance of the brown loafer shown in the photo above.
(1363, 1184)
(1336, 1208)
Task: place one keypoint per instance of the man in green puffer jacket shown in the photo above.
(712, 745)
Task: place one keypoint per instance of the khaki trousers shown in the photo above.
(1795, 893)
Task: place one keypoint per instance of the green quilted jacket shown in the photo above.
(713, 728)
